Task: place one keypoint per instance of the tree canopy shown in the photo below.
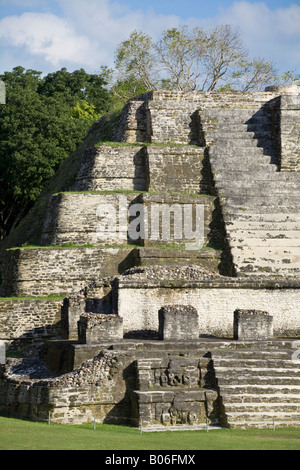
(194, 59)
(42, 122)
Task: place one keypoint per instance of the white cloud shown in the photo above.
(45, 35)
(86, 33)
(271, 34)
(86, 36)
(108, 23)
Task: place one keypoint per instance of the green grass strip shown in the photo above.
(25, 435)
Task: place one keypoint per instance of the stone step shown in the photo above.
(253, 372)
(257, 418)
(262, 350)
(243, 213)
(245, 174)
(237, 127)
(261, 192)
(245, 217)
(273, 407)
(237, 152)
(266, 201)
(266, 250)
(237, 143)
(276, 349)
(261, 363)
(273, 243)
(237, 124)
(285, 233)
(269, 228)
(224, 161)
(238, 134)
(257, 380)
(181, 427)
(259, 185)
(251, 271)
(255, 168)
(285, 257)
(257, 165)
(236, 115)
(257, 390)
(267, 398)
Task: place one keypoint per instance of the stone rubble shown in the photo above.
(33, 372)
(188, 273)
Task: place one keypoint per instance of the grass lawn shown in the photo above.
(23, 435)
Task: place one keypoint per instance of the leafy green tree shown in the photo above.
(180, 58)
(79, 84)
(123, 90)
(137, 57)
(254, 74)
(42, 122)
(193, 59)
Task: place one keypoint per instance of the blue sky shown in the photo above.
(49, 34)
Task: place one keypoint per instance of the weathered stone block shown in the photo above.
(108, 168)
(29, 319)
(94, 328)
(178, 322)
(289, 131)
(60, 271)
(253, 325)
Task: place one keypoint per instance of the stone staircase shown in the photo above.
(261, 205)
(258, 386)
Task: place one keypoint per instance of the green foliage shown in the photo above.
(123, 90)
(78, 85)
(135, 57)
(193, 59)
(42, 122)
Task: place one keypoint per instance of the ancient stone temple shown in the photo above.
(164, 288)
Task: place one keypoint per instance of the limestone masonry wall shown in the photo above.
(132, 126)
(86, 218)
(82, 218)
(29, 318)
(215, 305)
(177, 169)
(290, 132)
(110, 168)
(41, 272)
(175, 116)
